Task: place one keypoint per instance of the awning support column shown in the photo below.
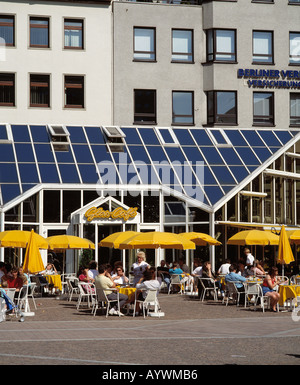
(2, 218)
(212, 248)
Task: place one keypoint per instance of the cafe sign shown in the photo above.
(118, 213)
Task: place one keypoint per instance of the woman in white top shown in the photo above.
(139, 267)
(147, 282)
(119, 278)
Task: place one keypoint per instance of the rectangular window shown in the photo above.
(183, 107)
(263, 47)
(295, 47)
(39, 91)
(182, 45)
(7, 30)
(222, 107)
(263, 108)
(145, 106)
(295, 109)
(221, 45)
(294, 1)
(74, 91)
(262, 1)
(73, 33)
(39, 32)
(7, 89)
(144, 44)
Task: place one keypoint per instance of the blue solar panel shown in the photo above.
(262, 153)
(44, 153)
(230, 156)
(28, 173)
(284, 136)
(157, 154)
(48, 173)
(68, 173)
(9, 192)
(139, 154)
(212, 156)
(214, 193)
(95, 135)
(193, 154)
(82, 153)
(20, 133)
(208, 176)
(147, 174)
(175, 154)
(269, 138)
(132, 136)
(201, 137)
(88, 173)
(101, 154)
(6, 152)
(3, 132)
(223, 175)
(148, 135)
(240, 172)
(39, 134)
(252, 138)
(76, 134)
(8, 173)
(64, 156)
(247, 155)
(184, 137)
(24, 152)
(236, 138)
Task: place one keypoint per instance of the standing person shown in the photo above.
(249, 257)
(270, 282)
(105, 282)
(139, 267)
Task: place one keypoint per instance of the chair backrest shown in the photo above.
(10, 292)
(72, 282)
(151, 296)
(81, 287)
(32, 288)
(207, 282)
(101, 296)
(175, 278)
(231, 288)
(254, 289)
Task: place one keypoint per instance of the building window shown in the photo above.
(263, 108)
(39, 91)
(222, 107)
(294, 1)
(295, 47)
(262, 1)
(221, 45)
(39, 32)
(182, 107)
(182, 46)
(7, 89)
(73, 30)
(263, 47)
(7, 30)
(295, 109)
(145, 106)
(144, 44)
(74, 92)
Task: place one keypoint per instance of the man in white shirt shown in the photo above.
(224, 268)
(249, 257)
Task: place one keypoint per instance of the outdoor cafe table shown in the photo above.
(288, 291)
(55, 280)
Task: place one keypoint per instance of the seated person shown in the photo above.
(238, 280)
(83, 276)
(224, 268)
(50, 270)
(93, 271)
(163, 272)
(14, 281)
(147, 282)
(119, 277)
(104, 281)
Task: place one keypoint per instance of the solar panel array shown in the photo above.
(147, 158)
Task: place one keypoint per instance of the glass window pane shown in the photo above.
(39, 134)
(263, 107)
(182, 49)
(73, 34)
(262, 46)
(68, 173)
(144, 41)
(24, 152)
(9, 192)
(295, 47)
(7, 30)
(48, 173)
(225, 45)
(183, 107)
(295, 109)
(39, 32)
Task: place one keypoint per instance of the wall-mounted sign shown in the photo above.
(263, 78)
(118, 213)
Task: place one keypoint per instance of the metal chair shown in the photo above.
(208, 285)
(103, 299)
(72, 286)
(31, 292)
(150, 300)
(177, 280)
(234, 293)
(90, 289)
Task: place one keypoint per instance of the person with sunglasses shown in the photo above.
(119, 278)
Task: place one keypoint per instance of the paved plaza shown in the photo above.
(191, 333)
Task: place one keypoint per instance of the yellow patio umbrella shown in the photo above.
(285, 254)
(157, 239)
(62, 242)
(201, 239)
(294, 236)
(254, 237)
(113, 240)
(20, 238)
(33, 262)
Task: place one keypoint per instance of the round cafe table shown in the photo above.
(288, 291)
(55, 280)
(127, 290)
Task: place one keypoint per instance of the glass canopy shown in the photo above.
(197, 162)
